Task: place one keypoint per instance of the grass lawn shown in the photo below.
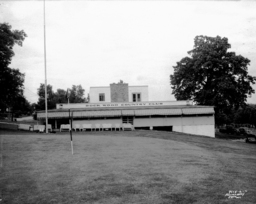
(149, 167)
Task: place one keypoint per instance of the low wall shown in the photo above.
(25, 127)
(198, 125)
(17, 126)
(204, 130)
(9, 126)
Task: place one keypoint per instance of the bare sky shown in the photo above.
(95, 43)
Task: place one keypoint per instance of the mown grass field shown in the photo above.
(149, 167)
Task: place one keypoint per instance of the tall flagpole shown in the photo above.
(45, 85)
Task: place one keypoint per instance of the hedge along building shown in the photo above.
(120, 103)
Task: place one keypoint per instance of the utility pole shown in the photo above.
(45, 84)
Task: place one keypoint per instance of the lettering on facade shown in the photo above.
(134, 104)
(109, 105)
(124, 104)
(141, 104)
(92, 105)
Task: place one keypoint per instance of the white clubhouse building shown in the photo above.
(120, 104)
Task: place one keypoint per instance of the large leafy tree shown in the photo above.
(21, 107)
(246, 115)
(61, 96)
(211, 75)
(75, 95)
(51, 103)
(11, 80)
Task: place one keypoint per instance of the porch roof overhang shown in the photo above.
(131, 111)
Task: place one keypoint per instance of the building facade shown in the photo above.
(119, 92)
(119, 104)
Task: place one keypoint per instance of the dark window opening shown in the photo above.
(158, 128)
(163, 128)
(101, 97)
(136, 97)
(142, 128)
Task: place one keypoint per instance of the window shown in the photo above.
(101, 97)
(136, 97)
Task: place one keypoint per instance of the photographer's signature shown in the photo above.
(235, 194)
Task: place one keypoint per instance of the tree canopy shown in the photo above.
(51, 102)
(8, 38)
(11, 80)
(246, 115)
(73, 95)
(76, 94)
(211, 75)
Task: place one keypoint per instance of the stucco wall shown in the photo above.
(118, 93)
(208, 130)
(95, 91)
(193, 125)
(139, 89)
(178, 121)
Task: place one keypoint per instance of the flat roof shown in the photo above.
(127, 108)
(109, 86)
(99, 87)
(128, 111)
(119, 109)
(139, 86)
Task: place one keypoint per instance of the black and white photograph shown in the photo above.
(127, 102)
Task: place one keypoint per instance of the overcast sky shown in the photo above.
(95, 43)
